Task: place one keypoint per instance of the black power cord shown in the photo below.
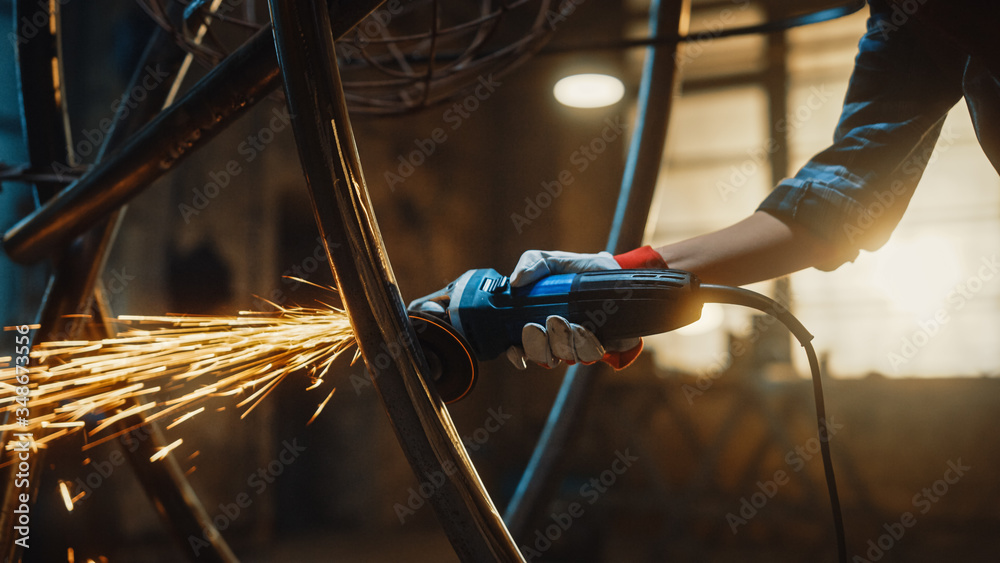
(723, 294)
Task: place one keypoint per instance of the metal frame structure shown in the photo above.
(298, 46)
(140, 149)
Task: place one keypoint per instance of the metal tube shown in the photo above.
(368, 288)
(43, 95)
(226, 93)
(660, 81)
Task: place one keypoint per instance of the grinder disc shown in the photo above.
(454, 368)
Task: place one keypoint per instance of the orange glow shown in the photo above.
(169, 370)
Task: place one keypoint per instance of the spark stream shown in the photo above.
(243, 356)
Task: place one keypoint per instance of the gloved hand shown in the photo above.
(559, 340)
(537, 264)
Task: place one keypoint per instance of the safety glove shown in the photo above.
(560, 340)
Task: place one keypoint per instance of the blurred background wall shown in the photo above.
(708, 433)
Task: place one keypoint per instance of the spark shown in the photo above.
(167, 367)
(162, 453)
(321, 405)
(185, 417)
(32, 327)
(67, 499)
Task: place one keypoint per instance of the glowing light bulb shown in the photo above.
(589, 90)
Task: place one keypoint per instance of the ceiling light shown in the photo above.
(589, 90)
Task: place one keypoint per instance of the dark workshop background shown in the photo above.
(711, 439)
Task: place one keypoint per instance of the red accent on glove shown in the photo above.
(643, 258)
(622, 360)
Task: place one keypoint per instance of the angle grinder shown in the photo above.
(480, 315)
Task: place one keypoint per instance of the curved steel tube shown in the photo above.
(368, 288)
(40, 80)
(656, 93)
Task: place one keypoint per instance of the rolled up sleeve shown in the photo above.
(854, 192)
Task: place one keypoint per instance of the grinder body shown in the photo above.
(479, 315)
(613, 304)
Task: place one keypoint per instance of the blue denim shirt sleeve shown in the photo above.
(854, 192)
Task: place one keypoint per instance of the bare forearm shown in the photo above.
(758, 248)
